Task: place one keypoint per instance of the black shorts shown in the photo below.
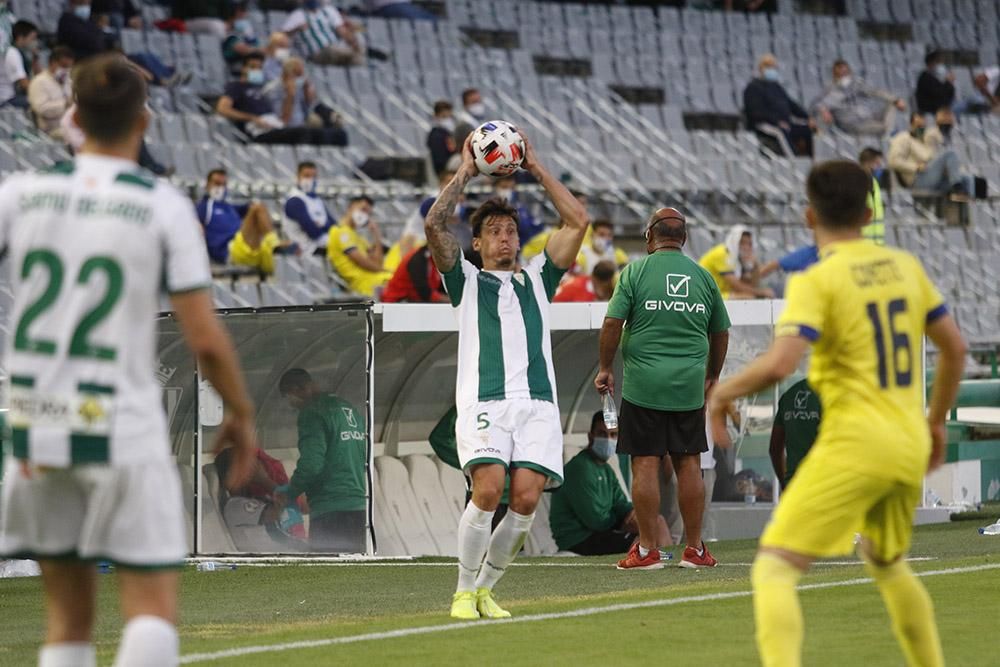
(648, 432)
(338, 532)
(605, 543)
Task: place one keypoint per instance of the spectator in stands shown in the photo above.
(727, 261)
(278, 50)
(121, 13)
(984, 98)
(796, 424)
(590, 514)
(247, 105)
(50, 93)
(325, 36)
(416, 280)
(939, 137)
(413, 229)
(598, 286)
(776, 117)
(202, 16)
(936, 85)
(918, 166)
(333, 454)
(440, 140)
(7, 21)
(358, 262)
(505, 189)
(295, 98)
(240, 234)
(309, 221)
(14, 79)
(536, 245)
(397, 9)
(473, 109)
(240, 40)
(600, 248)
(855, 106)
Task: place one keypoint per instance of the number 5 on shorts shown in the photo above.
(482, 421)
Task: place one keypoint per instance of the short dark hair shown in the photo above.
(602, 222)
(491, 208)
(934, 56)
(110, 96)
(838, 192)
(869, 153)
(253, 55)
(467, 93)
(23, 29)
(292, 379)
(840, 61)
(305, 164)
(364, 198)
(61, 52)
(597, 417)
(213, 172)
(604, 271)
(441, 106)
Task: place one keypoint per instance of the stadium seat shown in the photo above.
(432, 500)
(454, 486)
(401, 505)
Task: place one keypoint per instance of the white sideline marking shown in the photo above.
(531, 618)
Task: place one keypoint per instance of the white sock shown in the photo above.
(148, 641)
(506, 543)
(643, 551)
(67, 654)
(473, 538)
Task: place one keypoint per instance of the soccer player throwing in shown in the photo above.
(92, 243)
(865, 310)
(506, 387)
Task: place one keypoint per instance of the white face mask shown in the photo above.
(282, 54)
(505, 194)
(844, 81)
(446, 123)
(217, 193)
(360, 218)
(477, 109)
(60, 74)
(307, 184)
(604, 448)
(601, 244)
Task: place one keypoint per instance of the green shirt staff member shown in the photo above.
(794, 431)
(673, 349)
(333, 451)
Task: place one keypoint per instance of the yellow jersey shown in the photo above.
(343, 239)
(865, 308)
(717, 262)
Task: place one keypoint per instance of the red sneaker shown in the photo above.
(635, 562)
(693, 560)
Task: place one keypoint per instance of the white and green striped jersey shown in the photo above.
(91, 245)
(504, 340)
(319, 28)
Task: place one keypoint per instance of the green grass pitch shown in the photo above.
(710, 621)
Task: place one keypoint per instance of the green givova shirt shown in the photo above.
(333, 451)
(589, 501)
(799, 414)
(670, 305)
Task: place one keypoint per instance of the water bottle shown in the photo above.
(610, 411)
(992, 529)
(212, 566)
(750, 497)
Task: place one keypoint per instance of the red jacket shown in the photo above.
(578, 289)
(416, 280)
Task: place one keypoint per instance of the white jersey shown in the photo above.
(91, 244)
(504, 340)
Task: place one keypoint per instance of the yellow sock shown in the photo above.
(911, 611)
(777, 611)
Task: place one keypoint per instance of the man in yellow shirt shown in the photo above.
(723, 262)
(865, 310)
(600, 247)
(359, 263)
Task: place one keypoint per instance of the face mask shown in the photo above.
(243, 27)
(505, 194)
(941, 72)
(601, 244)
(877, 173)
(604, 448)
(844, 81)
(772, 74)
(945, 128)
(477, 109)
(82, 11)
(446, 123)
(282, 54)
(60, 74)
(255, 76)
(918, 132)
(360, 219)
(217, 193)
(307, 184)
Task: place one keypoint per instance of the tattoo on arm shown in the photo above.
(442, 243)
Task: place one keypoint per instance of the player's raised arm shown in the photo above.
(564, 244)
(444, 247)
(948, 373)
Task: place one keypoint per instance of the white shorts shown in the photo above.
(517, 433)
(131, 515)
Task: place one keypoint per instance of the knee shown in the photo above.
(486, 495)
(524, 501)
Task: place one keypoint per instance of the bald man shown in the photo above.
(773, 114)
(676, 333)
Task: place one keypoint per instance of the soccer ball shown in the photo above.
(497, 147)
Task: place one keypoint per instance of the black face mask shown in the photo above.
(945, 128)
(918, 132)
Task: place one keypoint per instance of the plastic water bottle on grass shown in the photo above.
(610, 411)
(212, 566)
(992, 529)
